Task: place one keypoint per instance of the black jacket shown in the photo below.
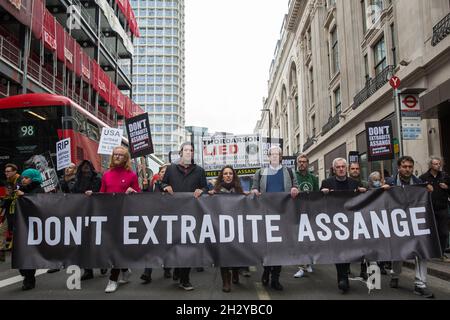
(392, 181)
(439, 196)
(333, 184)
(181, 182)
(82, 183)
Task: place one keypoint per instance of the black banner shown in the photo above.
(139, 136)
(379, 140)
(152, 230)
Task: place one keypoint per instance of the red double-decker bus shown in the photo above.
(31, 124)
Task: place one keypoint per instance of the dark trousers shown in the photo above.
(274, 272)
(28, 274)
(115, 274)
(342, 271)
(441, 217)
(183, 274)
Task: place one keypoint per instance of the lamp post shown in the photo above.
(270, 125)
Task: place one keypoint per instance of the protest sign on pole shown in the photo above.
(63, 154)
(379, 140)
(111, 138)
(139, 136)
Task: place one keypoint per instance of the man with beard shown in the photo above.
(185, 177)
(405, 177)
(307, 182)
(119, 179)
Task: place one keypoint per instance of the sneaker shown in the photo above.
(112, 286)
(103, 271)
(424, 292)
(147, 277)
(309, 268)
(186, 286)
(125, 277)
(300, 273)
(444, 258)
(393, 283)
(28, 284)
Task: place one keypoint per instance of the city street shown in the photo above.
(319, 285)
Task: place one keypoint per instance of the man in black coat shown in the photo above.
(341, 182)
(439, 197)
(185, 177)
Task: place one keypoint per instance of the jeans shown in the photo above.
(421, 271)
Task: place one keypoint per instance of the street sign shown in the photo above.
(395, 82)
(410, 102)
(412, 128)
(63, 156)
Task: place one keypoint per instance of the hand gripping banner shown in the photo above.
(154, 230)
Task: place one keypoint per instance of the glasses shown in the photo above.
(117, 155)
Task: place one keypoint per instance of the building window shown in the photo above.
(394, 46)
(337, 100)
(311, 85)
(366, 68)
(364, 16)
(334, 51)
(380, 56)
(313, 125)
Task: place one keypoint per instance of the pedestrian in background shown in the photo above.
(67, 181)
(439, 198)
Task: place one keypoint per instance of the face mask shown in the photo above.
(377, 184)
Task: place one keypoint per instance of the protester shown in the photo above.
(157, 187)
(185, 177)
(354, 171)
(375, 182)
(228, 182)
(275, 178)
(8, 206)
(144, 177)
(307, 182)
(439, 197)
(87, 181)
(119, 179)
(341, 182)
(404, 177)
(68, 179)
(31, 183)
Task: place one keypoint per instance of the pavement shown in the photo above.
(436, 268)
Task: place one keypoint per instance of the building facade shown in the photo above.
(331, 70)
(72, 49)
(158, 70)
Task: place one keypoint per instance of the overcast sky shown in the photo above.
(229, 48)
